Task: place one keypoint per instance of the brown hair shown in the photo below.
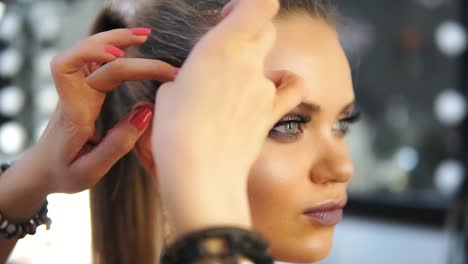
(126, 218)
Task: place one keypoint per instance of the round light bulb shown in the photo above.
(11, 61)
(12, 138)
(407, 158)
(46, 100)
(451, 38)
(450, 107)
(449, 176)
(12, 100)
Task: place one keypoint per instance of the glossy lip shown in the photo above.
(327, 214)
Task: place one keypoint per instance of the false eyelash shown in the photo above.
(294, 118)
(353, 117)
(298, 119)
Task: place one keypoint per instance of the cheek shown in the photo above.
(282, 167)
(274, 171)
(276, 188)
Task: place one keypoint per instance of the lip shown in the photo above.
(327, 214)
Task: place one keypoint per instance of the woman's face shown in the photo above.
(305, 163)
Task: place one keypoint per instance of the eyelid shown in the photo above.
(293, 117)
(353, 116)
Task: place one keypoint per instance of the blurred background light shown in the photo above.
(46, 99)
(11, 61)
(42, 63)
(12, 99)
(45, 21)
(13, 138)
(450, 107)
(10, 26)
(450, 37)
(431, 4)
(449, 176)
(407, 158)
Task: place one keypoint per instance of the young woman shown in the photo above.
(249, 133)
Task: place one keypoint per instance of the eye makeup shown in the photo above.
(290, 128)
(343, 126)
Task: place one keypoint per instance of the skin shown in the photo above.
(290, 176)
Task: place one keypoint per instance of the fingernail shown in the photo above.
(177, 70)
(142, 118)
(140, 31)
(114, 50)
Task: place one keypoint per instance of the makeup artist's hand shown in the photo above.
(211, 122)
(69, 157)
(82, 86)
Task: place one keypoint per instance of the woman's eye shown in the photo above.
(289, 128)
(343, 126)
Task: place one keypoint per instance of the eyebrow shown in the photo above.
(315, 108)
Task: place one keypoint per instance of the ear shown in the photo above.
(144, 152)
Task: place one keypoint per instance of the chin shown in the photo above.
(310, 250)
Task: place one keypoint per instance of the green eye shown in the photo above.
(343, 126)
(289, 128)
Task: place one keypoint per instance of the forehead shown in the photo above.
(310, 48)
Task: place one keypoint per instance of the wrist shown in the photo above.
(23, 188)
(194, 210)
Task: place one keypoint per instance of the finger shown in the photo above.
(101, 48)
(90, 68)
(265, 40)
(246, 19)
(117, 143)
(290, 93)
(111, 75)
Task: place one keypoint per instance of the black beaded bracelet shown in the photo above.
(10, 230)
(227, 244)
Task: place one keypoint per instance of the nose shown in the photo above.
(334, 164)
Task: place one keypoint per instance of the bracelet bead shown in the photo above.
(4, 224)
(229, 244)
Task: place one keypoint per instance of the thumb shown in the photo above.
(118, 141)
(291, 91)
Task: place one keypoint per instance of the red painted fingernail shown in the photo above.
(114, 50)
(140, 31)
(142, 118)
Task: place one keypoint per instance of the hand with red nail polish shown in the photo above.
(76, 157)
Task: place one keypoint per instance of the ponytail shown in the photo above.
(124, 204)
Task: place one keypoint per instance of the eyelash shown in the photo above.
(342, 127)
(293, 119)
